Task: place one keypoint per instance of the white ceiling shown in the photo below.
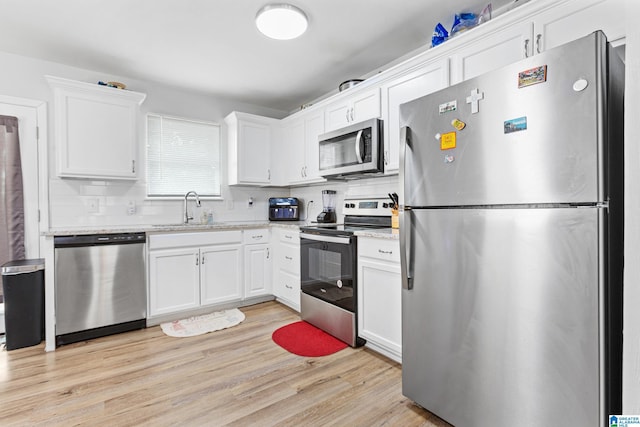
(212, 46)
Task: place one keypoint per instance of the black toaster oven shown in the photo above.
(284, 209)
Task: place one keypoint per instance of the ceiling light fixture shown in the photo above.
(281, 21)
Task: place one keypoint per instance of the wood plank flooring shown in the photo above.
(234, 377)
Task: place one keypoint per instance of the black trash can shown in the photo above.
(23, 288)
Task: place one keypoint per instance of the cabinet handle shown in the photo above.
(133, 166)
(288, 258)
(269, 174)
(538, 44)
(526, 48)
(268, 253)
(347, 115)
(257, 236)
(288, 286)
(305, 171)
(287, 236)
(197, 259)
(386, 158)
(385, 252)
(351, 113)
(302, 172)
(202, 259)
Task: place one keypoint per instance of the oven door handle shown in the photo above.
(330, 239)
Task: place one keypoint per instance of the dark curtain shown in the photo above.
(12, 211)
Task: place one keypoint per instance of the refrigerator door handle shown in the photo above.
(405, 248)
(405, 212)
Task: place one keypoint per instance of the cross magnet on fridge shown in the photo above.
(473, 100)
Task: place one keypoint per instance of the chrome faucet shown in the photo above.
(186, 213)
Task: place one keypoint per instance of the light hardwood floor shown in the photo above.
(236, 377)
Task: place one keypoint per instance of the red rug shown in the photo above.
(304, 339)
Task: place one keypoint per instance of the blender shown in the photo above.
(328, 214)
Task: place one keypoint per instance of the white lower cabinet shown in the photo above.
(174, 276)
(220, 274)
(380, 296)
(257, 263)
(287, 267)
(190, 270)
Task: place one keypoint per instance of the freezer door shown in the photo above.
(539, 143)
(501, 325)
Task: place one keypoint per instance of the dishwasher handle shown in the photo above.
(98, 240)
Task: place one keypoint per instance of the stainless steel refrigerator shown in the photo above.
(511, 233)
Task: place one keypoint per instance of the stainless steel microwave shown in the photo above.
(355, 149)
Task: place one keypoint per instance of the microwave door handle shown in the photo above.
(358, 140)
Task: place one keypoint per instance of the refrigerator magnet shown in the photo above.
(447, 107)
(448, 141)
(515, 125)
(532, 76)
(458, 124)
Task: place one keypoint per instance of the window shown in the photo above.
(182, 155)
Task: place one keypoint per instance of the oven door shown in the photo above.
(327, 269)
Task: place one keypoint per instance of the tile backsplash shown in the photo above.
(117, 203)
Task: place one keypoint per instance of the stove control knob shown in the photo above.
(385, 205)
(352, 205)
(346, 205)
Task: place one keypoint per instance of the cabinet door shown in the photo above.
(336, 115)
(173, 280)
(313, 127)
(379, 302)
(408, 87)
(294, 153)
(366, 105)
(254, 153)
(491, 52)
(220, 274)
(257, 270)
(96, 130)
(577, 19)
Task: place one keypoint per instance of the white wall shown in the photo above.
(631, 353)
(24, 77)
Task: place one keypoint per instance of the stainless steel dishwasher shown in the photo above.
(100, 285)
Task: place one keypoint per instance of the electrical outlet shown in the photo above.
(250, 202)
(93, 205)
(131, 207)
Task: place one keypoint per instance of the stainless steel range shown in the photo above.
(328, 256)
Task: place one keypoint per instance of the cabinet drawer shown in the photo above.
(259, 235)
(289, 258)
(382, 249)
(288, 288)
(176, 240)
(290, 236)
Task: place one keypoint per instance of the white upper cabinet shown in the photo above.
(404, 88)
(361, 105)
(96, 130)
(576, 19)
(300, 137)
(527, 34)
(491, 52)
(250, 140)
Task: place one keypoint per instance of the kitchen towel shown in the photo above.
(203, 324)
